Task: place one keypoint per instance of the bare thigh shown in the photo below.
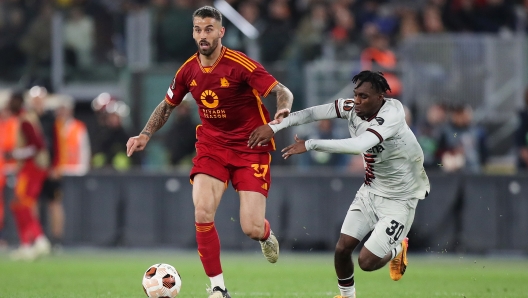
(207, 194)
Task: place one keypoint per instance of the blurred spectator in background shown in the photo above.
(4, 118)
(36, 42)
(379, 57)
(409, 25)
(12, 26)
(428, 134)
(109, 151)
(521, 138)
(79, 37)
(234, 38)
(181, 136)
(278, 33)
(311, 33)
(174, 36)
(432, 19)
(480, 16)
(34, 161)
(345, 35)
(71, 158)
(462, 145)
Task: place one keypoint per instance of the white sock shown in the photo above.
(347, 291)
(218, 281)
(396, 251)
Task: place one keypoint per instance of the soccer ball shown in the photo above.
(162, 281)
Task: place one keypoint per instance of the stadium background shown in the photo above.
(118, 57)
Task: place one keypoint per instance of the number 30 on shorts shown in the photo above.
(395, 229)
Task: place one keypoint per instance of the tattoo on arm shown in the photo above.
(158, 118)
(284, 96)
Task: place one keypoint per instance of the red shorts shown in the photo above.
(29, 183)
(246, 171)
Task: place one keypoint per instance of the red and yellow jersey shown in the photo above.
(228, 95)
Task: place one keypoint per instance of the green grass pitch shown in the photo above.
(118, 273)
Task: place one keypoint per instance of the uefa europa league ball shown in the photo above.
(162, 281)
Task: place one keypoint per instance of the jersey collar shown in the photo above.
(210, 69)
(375, 114)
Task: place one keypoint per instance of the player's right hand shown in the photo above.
(136, 143)
(260, 136)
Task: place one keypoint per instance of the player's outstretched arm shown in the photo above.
(284, 102)
(158, 118)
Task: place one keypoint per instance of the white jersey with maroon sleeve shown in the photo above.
(394, 167)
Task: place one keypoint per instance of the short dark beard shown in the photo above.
(211, 50)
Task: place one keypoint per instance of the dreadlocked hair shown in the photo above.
(378, 81)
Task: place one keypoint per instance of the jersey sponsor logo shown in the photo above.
(224, 82)
(173, 84)
(380, 120)
(193, 83)
(376, 149)
(206, 97)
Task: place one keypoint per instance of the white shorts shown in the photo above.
(389, 220)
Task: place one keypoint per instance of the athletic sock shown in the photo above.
(267, 230)
(209, 248)
(23, 220)
(347, 286)
(218, 281)
(396, 251)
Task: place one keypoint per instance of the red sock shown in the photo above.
(267, 230)
(35, 227)
(23, 220)
(209, 248)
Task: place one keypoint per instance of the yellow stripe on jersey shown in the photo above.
(241, 62)
(188, 60)
(242, 57)
(269, 89)
(259, 103)
(169, 103)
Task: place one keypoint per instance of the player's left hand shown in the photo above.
(260, 136)
(296, 148)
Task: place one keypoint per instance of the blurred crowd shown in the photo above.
(93, 30)
(292, 32)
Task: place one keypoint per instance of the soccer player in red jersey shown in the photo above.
(227, 87)
(34, 161)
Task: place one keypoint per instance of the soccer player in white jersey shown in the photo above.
(395, 179)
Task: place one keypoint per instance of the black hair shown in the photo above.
(376, 78)
(208, 12)
(17, 98)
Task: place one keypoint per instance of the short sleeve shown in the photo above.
(178, 88)
(260, 80)
(387, 122)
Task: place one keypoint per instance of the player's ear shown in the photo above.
(222, 32)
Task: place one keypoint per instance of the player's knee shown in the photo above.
(342, 249)
(367, 264)
(252, 231)
(203, 215)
